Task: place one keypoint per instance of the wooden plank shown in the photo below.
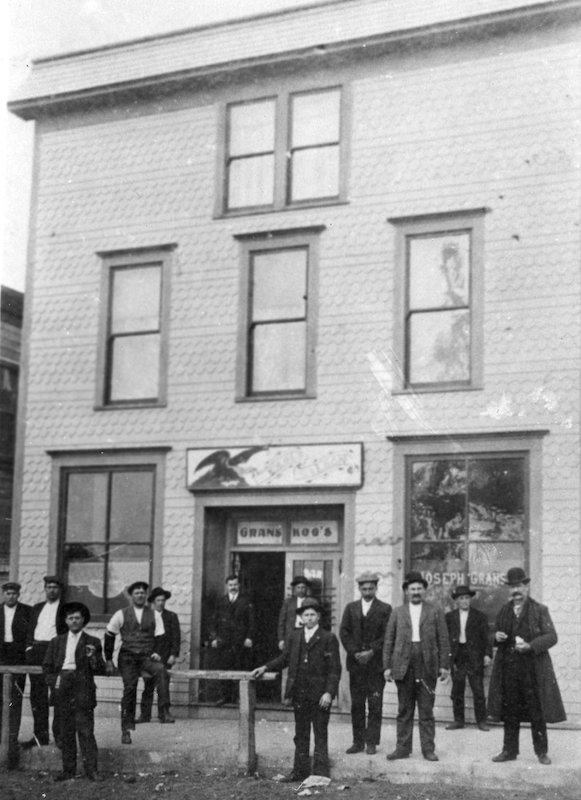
(246, 738)
(6, 686)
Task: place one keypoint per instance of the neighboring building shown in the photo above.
(304, 297)
(11, 304)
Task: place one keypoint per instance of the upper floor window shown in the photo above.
(134, 330)
(283, 151)
(439, 298)
(277, 318)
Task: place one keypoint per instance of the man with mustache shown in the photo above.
(523, 686)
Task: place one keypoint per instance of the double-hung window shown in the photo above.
(277, 320)
(439, 286)
(284, 151)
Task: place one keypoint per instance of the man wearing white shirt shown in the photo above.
(137, 626)
(14, 620)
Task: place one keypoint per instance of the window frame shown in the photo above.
(282, 150)
(406, 228)
(65, 463)
(276, 241)
(110, 263)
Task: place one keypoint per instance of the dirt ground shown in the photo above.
(218, 785)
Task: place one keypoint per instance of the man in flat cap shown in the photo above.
(362, 633)
(71, 662)
(288, 619)
(470, 652)
(523, 686)
(137, 626)
(415, 655)
(46, 621)
(312, 656)
(14, 619)
(167, 644)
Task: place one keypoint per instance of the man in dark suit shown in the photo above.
(46, 621)
(362, 633)
(287, 618)
(232, 636)
(314, 668)
(167, 645)
(415, 654)
(14, 619)
(470, 652)
(71, 661)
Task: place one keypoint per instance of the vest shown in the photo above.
(138, 638)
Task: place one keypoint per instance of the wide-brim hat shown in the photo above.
(461, 590)
(53, 579)
(414, 577)
(516, 575)
(300, 579)
(137, 585)
(368, 577)
(311, 603)
(11, 585)
(72, 608)
(158, 592)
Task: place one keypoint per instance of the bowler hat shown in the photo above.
(516, 575)
(158, 592)
(53, 579)
(137, 585)
(11, 585)
(461, 590)
(414, 577)
(300, 579)
(311, 603)
(368, 577)
(73, 607)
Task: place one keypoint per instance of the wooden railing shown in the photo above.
(246, 756)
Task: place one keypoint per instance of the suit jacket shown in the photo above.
(323, 669)
(287, 618)
(19, 630)
(351, 633)
(233, 622)
(168, 644)
(397, 646)
(61, 625)
(478, 640)
(86, 668)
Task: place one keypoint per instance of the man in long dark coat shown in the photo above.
(287, 618)
(14, 620)
(523, 686)
(362, 632)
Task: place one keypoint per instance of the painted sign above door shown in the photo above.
(275, 467)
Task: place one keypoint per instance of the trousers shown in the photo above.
(131, 666)
(366, 688)
(521, 702)
(39, 695)
(308, 713)
(76, 721)
(462, 671)
(416, 689)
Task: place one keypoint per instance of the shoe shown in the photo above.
(544, 759)
(166, 719)
(431, 756)
(125, 737)
(292, 778)
(96, 777)
(63, 776)
(371, 749)
(396, 755)
(355, 748)
(504, 756)
(454, 726)
(482, 726)
(141, 719)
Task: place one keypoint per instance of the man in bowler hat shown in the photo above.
(415, 655)
(167, 644)
(14, 619)
(362, 633)
(311, 654)
(288, 619)
(523, 686)
(470, 652)
(71, 662)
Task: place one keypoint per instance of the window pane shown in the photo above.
(315, 118)
(126, 565)
(131, 507)
(315, 173)
(488, 564)
(86, 507)
(443, 565)
(279, 284)
(85, 575)
(135, 368)
(496, 490)
(251, 182)
(439, 270)
(439, 347)
(136, 299)
(438, 500)
(252, 128)
(279, 357)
